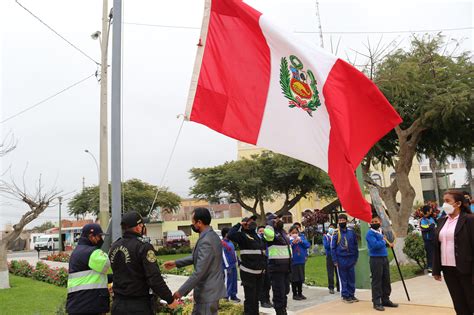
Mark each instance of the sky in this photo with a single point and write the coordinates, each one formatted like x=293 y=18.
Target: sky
x=157 y=67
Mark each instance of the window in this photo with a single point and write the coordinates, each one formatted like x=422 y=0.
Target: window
x=424 y=168
x=287 y=218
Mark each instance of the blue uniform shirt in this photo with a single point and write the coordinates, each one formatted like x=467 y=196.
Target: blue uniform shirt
x=344 y=247
x=376 y=244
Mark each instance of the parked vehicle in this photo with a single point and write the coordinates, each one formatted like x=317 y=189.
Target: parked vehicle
x=48 y=242
x=175 y=239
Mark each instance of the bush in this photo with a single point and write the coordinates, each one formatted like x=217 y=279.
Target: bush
x=415 y=249
x=173 y=251
x=20 y=268
x=42 y=272
x=61 y=257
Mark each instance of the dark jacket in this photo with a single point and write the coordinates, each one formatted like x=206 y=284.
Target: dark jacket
x=85 y=301
x=207 y=280
x=136 y=270
x=252 y=248
x=280 y=239
x=463 y=245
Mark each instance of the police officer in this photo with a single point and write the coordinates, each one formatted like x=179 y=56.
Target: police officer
x=254 y=261
x=136 y=271
x=279 y=261
x=87 y=291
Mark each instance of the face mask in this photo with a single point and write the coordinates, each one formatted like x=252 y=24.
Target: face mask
x=252 y=226
x=195 y=229
x=449 y=209
x=375 y=226
x=279 y=225
x=100 y=243
x=343 y=225
x=331 y=230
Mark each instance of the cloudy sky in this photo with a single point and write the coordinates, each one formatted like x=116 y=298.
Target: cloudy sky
x=157 y=65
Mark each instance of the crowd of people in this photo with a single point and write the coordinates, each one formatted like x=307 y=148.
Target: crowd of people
x=271 y=258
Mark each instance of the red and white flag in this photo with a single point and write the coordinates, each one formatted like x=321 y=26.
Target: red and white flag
x=260 y=85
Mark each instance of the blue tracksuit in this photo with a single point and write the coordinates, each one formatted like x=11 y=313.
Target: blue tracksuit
x=344 y=253
x=300 y=251
x=230 y=267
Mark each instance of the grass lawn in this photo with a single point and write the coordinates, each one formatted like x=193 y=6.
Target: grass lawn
x=316 y=274
x=31 y=297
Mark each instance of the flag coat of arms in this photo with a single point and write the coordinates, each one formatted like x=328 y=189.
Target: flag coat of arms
x=259 y=84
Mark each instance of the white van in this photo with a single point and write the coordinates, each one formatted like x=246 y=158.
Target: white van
x=47 y=241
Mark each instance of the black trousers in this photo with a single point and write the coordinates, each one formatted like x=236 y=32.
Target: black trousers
x=297 y=288
x=264 y=294
x=281 y=288
x=461 y=290
x=381 y=287
x=252 y=284
x=429 y=253
x=331 y=270
x=140 y=306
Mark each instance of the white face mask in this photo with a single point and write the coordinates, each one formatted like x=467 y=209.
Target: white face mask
x=449 y=209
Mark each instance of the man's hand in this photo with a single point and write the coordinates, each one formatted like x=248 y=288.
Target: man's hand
x=438 y=278
x=169 y=264
x=177 y=295
x=173 y=305
x=243 y=224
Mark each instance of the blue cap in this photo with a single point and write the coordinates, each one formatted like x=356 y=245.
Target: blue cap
x=92 y=228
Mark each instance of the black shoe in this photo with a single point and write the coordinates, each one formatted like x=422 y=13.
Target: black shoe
x=235 y=299
x=297 y=298
x=281 y=312
x=347 y=300
x=266 y=305
x=354 y=299
x=331 y=291
x=390 y=304
x=379 y=308
x=302 y=296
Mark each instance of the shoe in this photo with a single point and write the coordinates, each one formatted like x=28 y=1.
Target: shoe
x=266 y=305
x=390 y=304
x=302 y=296
x=379 y=308
x=235 y=299
x=331 y=291
x=354 y=299
x=347 y=300
x=297 y=298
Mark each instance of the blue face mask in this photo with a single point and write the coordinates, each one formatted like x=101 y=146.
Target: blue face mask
x=331 y=230
x=472 y=208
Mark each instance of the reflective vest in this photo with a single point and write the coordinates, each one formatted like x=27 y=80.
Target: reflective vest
x=87 y=281
x=279 y=250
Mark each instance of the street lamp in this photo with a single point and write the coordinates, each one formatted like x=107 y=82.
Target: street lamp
x=95 y=161
x=60 y=232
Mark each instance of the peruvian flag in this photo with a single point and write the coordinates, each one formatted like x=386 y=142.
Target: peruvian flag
x=258 y=84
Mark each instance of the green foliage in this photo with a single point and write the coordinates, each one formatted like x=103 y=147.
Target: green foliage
x=137 y=196
x=415 y=249
x=173 y=251
x=61 y=257
x=265 y=177
x=43 y=227
x=42 y=272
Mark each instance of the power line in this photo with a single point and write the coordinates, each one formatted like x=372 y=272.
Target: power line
x=47 y=99
x=327 y=32
x=59 y=35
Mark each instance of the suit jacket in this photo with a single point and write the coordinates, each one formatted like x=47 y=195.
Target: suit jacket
x=207 y=279
x=463 y=245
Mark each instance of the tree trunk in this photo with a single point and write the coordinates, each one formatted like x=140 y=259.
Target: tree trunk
x=433 y=166
x=4 y=278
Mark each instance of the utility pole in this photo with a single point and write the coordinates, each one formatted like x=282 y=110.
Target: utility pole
x=116 y=150
x=83 y=183
x=319 y=24
x=104 y=154
x=60 y=223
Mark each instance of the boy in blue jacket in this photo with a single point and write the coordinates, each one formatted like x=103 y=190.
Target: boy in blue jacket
x=427 y=225
x=230 y=266
x=327 y=240
x=299 y=247
x=379 y=268
x=344 y=254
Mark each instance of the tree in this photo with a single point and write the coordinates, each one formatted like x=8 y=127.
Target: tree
x=44 y=227
x=263 y=178
x=432 y=92
x=37 y=203
x=137 y=196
